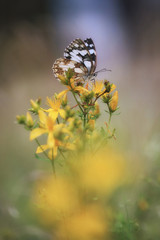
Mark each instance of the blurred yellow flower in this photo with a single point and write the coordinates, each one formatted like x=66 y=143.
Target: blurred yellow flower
x=114 y=101
x=85 y=224
x=55 y=198
x=91 y=124
x=101 y=172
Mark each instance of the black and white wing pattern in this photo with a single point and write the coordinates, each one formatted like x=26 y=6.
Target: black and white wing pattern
x=79 y=56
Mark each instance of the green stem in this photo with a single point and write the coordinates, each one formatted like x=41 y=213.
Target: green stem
x=61 y=153
x=78 y=102
x=110 y=116
x=84 y=120
x=57 y=120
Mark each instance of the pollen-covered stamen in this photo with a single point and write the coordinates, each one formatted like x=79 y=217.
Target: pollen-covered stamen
x=54 y=104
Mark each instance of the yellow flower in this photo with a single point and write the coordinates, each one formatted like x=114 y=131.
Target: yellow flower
x=114 y=101
x=97 y=87
x=55 y=109
x=56 y=137
x=46 y=125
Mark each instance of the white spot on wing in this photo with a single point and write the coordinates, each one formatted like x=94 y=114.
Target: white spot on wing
x=83 y=52
x=87 y=64
x=75 y=51
x=70 y=65
x=78 y=70
x=92 y=51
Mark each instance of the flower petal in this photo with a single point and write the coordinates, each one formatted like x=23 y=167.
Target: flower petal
x=42 y=148
x=53 y=114
x=62 y=113
x=62 y=93
x=50 y=140
x=37 y=132
x=42 y=117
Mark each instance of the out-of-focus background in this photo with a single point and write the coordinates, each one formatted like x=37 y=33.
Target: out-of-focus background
x=33 y=34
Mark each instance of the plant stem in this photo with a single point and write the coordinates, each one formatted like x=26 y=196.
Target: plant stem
x=84 y=120
x=57 y=120
x=61 y=153
x=110 y=115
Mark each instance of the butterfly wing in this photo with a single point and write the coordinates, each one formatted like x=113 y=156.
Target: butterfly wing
x=61 y=65
x=92 y=50
x=83 y=52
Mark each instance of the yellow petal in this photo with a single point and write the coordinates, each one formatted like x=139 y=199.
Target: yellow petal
x=62 y=113
x=81 y=89
x=55 y=151
x=42 y=117
x=42 y=148
x=37 y=132
x=50 y=140
x=53 y=114
x=62 y=93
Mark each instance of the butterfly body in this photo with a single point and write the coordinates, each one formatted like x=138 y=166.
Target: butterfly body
x=81 y=57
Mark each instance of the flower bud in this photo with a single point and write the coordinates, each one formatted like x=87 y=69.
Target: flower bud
x=64 y=100
x=63 y=79
x=35 y=105
x=113 y=102
x=29 y=120
x=107 y=86
x=21 y=119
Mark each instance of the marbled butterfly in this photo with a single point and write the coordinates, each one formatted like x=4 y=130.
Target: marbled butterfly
x=79 y=56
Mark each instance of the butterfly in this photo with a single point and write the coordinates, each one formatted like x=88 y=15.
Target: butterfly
x=81 y=57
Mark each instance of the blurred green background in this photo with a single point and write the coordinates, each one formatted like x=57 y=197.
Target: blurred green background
x=33 y=35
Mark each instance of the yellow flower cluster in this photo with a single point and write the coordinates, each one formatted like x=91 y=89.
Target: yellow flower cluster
x=66 y=127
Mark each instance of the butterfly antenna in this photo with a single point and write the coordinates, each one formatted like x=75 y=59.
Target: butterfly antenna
x=103 y=70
